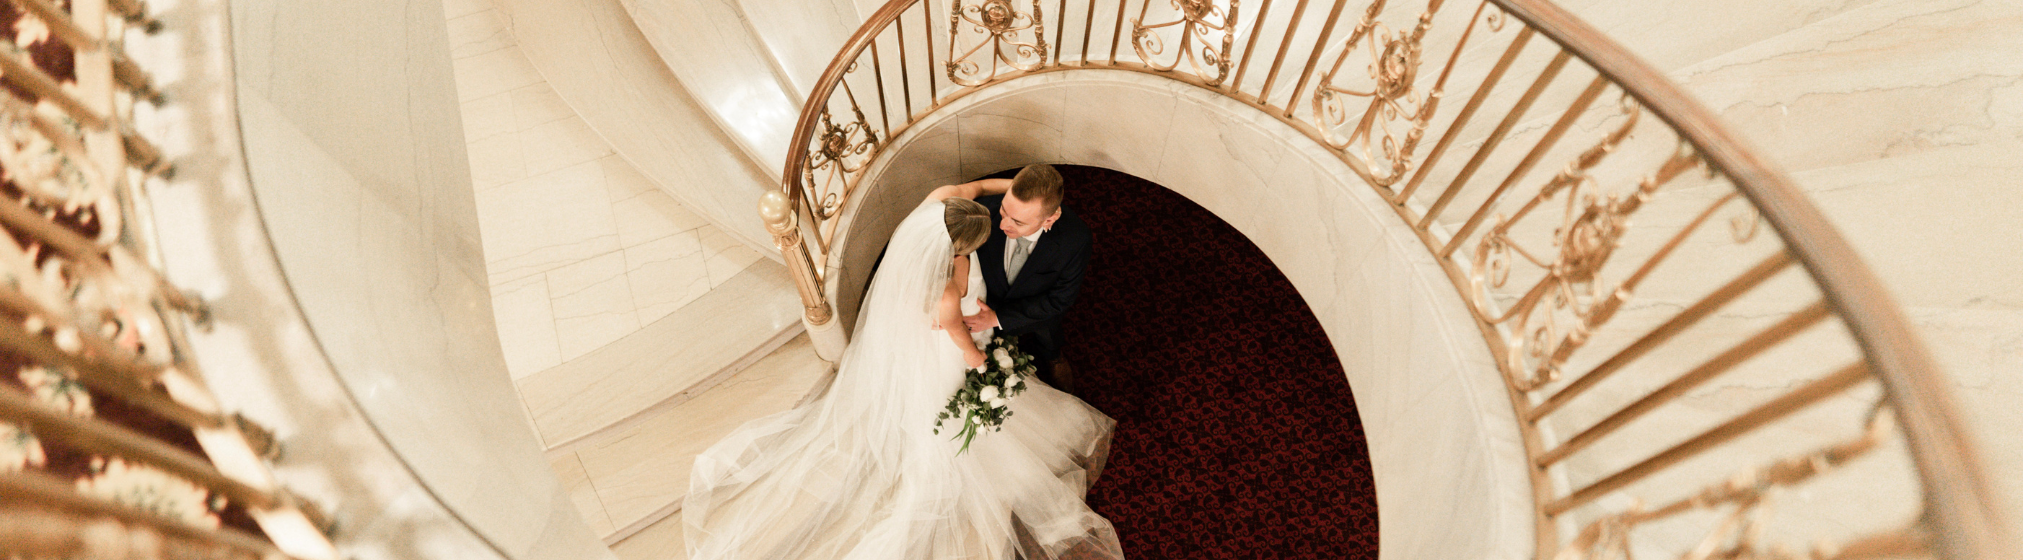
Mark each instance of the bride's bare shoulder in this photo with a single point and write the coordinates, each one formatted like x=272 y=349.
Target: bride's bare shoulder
x=970 y=190
x=958 y=280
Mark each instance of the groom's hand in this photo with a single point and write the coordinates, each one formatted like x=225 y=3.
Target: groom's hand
x=984 y=318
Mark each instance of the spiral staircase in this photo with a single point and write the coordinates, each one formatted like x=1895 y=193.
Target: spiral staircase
x=575 y=181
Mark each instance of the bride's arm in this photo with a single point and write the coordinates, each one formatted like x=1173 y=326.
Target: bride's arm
x=971 y=190
x=950 y=312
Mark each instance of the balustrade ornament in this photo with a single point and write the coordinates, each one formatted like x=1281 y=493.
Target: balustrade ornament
x=1749 y=496
x=1198 y=18
x=1591 y=228
x=1394 y=97
x=1003 y=30
x=838 y=157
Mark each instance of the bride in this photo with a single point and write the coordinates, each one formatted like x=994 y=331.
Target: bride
x=859 y=473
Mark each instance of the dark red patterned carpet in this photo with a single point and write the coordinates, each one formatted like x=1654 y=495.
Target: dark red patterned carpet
x=1236 y=433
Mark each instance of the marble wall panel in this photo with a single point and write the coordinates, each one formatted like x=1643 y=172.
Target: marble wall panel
x=599 y=62
x=1891 y=78
x=802 y=36
x=371 y=216
x=711 y=49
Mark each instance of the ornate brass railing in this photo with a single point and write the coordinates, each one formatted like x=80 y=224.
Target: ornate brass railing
x=1546 y=261
x=111 y=446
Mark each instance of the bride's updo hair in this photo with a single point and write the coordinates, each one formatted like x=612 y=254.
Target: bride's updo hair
x=968 y=224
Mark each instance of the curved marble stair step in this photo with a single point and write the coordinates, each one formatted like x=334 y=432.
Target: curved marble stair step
x=634 y=476
x=666 y=362
x=661 y=541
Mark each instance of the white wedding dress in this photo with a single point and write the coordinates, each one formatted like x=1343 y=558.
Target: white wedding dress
x=859 y=474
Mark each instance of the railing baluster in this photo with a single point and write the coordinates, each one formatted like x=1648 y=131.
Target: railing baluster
x=1236 y=85
x=109 y=439
x=1461 y=120
x=1742 y=284
x=60 y=24
x=905 y=82
x=1495 y=138
x=1721 y=363
x=1088 y=29
x=1538 y=151
x=878 y=74
x=1798 y=399
x=927 y=28
x=28 y=77
x=1320 y=46
x=1284 y=44
x=1060 y=30
x=98 y=376
x=49 y=492
x=1118 y=32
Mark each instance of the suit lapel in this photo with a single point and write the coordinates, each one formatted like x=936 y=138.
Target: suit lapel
x=1034 y=260
x=992 y=255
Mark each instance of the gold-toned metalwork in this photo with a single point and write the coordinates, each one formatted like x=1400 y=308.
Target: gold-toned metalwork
x=1197 y=18
x=777 y=211
x=838 y=158
x=1590 y=229
x=1376 y=121
x=1004 y=29
x=1394 y=67
x=1747 y=495
x=90 y=317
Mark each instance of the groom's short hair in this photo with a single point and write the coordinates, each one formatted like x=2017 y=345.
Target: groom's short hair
x=1039 y=183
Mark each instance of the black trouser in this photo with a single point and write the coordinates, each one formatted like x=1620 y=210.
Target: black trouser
x=1045 y=346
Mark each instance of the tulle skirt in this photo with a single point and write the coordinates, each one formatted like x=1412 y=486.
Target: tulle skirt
x=854 y=476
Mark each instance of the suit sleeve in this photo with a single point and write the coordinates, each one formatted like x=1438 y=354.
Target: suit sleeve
x=1016 y=314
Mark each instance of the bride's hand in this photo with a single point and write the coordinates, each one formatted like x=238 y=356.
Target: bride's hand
x=974 y=358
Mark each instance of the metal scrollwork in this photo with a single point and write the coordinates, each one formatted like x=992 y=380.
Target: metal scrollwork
x=838 y=155
x=1003 y=27
x=1395 y=120
x=1197 y=18
x=1591 y=228
x=1747 y=495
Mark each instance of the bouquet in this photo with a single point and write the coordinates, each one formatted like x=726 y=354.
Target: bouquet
x=982 y=402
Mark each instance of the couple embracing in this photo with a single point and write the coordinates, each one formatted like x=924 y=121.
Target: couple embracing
x=860 y=473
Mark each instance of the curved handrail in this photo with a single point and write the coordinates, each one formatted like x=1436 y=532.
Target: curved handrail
x=1948 y=465
x=1961 y=518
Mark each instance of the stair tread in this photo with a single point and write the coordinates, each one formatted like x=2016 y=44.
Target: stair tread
x=679 y=353
x=639 y=473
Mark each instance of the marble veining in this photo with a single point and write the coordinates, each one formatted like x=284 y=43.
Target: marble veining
x=581 y=247
x=683 y=350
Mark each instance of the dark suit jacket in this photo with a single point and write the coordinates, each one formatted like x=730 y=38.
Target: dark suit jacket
x=1052 y=275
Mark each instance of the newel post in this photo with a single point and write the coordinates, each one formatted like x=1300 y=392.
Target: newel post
x=778 y=213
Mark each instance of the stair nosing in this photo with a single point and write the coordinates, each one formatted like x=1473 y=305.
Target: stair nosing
x=820 y=387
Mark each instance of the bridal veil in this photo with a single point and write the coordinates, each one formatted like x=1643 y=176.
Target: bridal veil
x=860 y=474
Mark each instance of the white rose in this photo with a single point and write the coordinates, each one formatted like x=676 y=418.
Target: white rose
x=989 y=394
x=1004 y=359
x=1014 y=382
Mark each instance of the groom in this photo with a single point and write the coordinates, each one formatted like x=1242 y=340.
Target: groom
x=1032 y=264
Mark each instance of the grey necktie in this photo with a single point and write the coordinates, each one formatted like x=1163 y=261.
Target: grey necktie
x=1017 y=260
